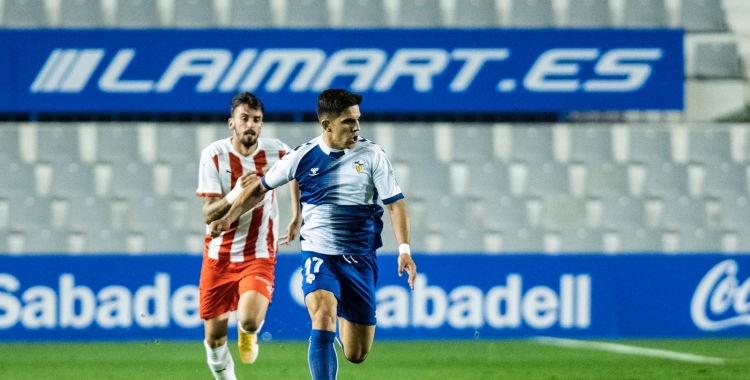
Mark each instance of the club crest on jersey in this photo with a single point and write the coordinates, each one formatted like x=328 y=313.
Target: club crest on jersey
x=359 y=165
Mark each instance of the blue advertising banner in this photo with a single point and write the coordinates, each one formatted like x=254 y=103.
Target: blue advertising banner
x=435 y=70
x=456 y=297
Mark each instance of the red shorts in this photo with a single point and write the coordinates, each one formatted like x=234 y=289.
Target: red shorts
x=222 y=283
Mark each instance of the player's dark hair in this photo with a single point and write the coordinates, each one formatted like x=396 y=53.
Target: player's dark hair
x=333 y=102
x=246 y=98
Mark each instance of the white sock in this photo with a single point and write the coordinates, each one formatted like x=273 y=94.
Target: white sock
x=239 y=325
x=220 y=362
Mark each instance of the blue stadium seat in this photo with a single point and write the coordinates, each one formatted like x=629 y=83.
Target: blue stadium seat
x=9 y=144
x=623 y=212
x=184 y=179
x=132 y=180
x=29 y=213
x=20 y=177
x=709 y=145
x=582 y=240
x=546 y=179
x=250 y=14
x=726 y=180
x=667 y=179
x=176 y=145
x=640 y=240
x=87 y=213
x=414 y=142
x=118 y=142
x=734 y=213
x=532 y=143
x=684 y=213
x=524 y=240
x=150 y=213
x=46 y=241
x=650 y=144
x=164 y=240
x=488 y=180
x=505 y=213
x=472 y=143
x=591 y=144
x=58 y=142
x=105 y=241
x=607 y=179
x=700 y=240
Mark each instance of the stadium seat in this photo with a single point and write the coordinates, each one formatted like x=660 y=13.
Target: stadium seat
x=137 y=14
x=505 y=213
x=164 y=240
x=650 y=144
x=24 y=14
x=461 y=240
x=666 y=179
x=72 y=179
x=702 y=16
x=426 y=180
x=476 y=14
x=472 y=143
x=546 y=179
x=414 y=142
x=81 y=14
x=532 y=14
x=184 y=180
x=700 y=240
x=640 y=240
x=581 y=240
x=250 y=14
x=562 y=213
x=606 y=179
x=734 y=213
x=29 y=213
x=726 y=180
x=363 y=14
x=195 y=14
x=46 y=241
x=524 y=240
x=532 y=143
x=644 y=14
x=57 y=142
x=307 y=14
x=589 y=14
x=118 y=143
x=150 y=213
x=709 y=145
x=105 y=241
x=717 y=60
x=9 y=144
x=86 y=213
x=623 y=212
x=131 y=180
x=176 y=145
x=295 y=134
x=488 y=180
x=683 y=213
x=449 y=214
x=591 y=144
x=20 y=179
x=420 y=14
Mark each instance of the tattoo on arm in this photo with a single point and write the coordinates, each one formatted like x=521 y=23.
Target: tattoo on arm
x=214 y=208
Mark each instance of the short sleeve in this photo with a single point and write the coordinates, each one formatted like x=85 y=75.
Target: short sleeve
x=282 y=171
x=385 y=180
x=209 y=183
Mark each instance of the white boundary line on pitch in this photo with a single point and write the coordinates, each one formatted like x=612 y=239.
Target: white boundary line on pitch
x=629 y=350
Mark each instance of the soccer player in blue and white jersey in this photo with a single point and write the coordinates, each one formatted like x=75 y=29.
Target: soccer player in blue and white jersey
x=341 y=176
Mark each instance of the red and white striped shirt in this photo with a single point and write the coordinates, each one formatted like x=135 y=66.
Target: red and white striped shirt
x=255 y=233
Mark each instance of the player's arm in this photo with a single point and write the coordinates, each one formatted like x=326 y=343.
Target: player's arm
x=245 y=201
x=400 y=224
x=294 y=225
x=215 y=207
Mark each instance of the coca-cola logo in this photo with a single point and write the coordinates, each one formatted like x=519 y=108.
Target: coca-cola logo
x=721 y=301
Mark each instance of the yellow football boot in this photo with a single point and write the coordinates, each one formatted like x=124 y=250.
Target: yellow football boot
x=248 y=344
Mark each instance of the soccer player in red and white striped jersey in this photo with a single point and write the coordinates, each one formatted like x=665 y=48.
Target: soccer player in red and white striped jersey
x=238 y=266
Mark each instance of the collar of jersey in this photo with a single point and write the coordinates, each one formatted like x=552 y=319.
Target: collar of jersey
x=328 y=150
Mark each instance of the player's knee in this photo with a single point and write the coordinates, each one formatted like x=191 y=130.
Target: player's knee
x=216 y=341
x=356 y=357
x=250 y=324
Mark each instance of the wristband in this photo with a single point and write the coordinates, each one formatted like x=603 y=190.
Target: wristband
x=404 y=249
x=233 y=195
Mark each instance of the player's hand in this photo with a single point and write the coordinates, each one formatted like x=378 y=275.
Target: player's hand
x=218 y=226
x=247 y=179
x=405 y=263
x=292 y=231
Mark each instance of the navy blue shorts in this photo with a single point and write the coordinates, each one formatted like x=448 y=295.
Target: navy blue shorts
x=351 y=279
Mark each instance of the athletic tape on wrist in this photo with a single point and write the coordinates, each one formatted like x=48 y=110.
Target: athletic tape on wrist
x=233 y=195
x=404 y=248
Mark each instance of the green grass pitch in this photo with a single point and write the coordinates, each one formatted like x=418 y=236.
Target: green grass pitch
x=423 y=360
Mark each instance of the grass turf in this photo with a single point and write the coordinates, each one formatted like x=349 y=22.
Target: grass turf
x=455 y=360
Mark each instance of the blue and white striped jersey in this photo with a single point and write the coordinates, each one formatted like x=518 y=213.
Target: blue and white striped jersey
x=339 y=194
